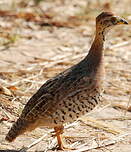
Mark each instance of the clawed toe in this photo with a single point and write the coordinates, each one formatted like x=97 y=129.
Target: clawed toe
x=66 y=148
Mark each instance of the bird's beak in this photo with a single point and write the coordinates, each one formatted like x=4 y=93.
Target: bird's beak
x=121 y=21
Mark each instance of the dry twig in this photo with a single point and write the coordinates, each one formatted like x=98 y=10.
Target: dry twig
x=100 y=125
x=102 y=144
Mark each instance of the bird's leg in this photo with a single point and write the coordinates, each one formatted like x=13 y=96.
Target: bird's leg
x=58 y=134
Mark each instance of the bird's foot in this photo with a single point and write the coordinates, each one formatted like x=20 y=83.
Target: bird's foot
x=65 y=148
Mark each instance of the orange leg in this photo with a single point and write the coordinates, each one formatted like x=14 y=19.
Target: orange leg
x=58 y=133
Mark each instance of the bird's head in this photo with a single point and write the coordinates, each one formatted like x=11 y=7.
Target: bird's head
x=106 y=20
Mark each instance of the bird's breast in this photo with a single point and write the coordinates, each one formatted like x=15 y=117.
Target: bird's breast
x=76 y=105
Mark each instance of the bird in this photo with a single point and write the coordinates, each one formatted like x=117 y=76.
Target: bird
x=71 y=93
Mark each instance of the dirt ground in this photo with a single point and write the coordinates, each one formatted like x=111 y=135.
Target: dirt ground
x=39 y=40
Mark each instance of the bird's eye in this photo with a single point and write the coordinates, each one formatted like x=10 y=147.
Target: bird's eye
x=113 y=20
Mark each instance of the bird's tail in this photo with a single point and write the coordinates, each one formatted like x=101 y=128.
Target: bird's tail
x=18 y=128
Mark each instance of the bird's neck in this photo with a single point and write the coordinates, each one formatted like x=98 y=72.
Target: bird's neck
x=96 y=50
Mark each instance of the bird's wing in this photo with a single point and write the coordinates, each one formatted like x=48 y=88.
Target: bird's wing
x=40 y=95
x=54 y=90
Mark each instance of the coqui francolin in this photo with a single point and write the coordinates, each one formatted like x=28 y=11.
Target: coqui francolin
x=70 y=94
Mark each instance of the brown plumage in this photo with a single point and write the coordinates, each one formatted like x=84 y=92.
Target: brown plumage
x=71 y=93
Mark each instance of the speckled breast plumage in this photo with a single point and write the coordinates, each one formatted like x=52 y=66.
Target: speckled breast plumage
x=75 y=106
